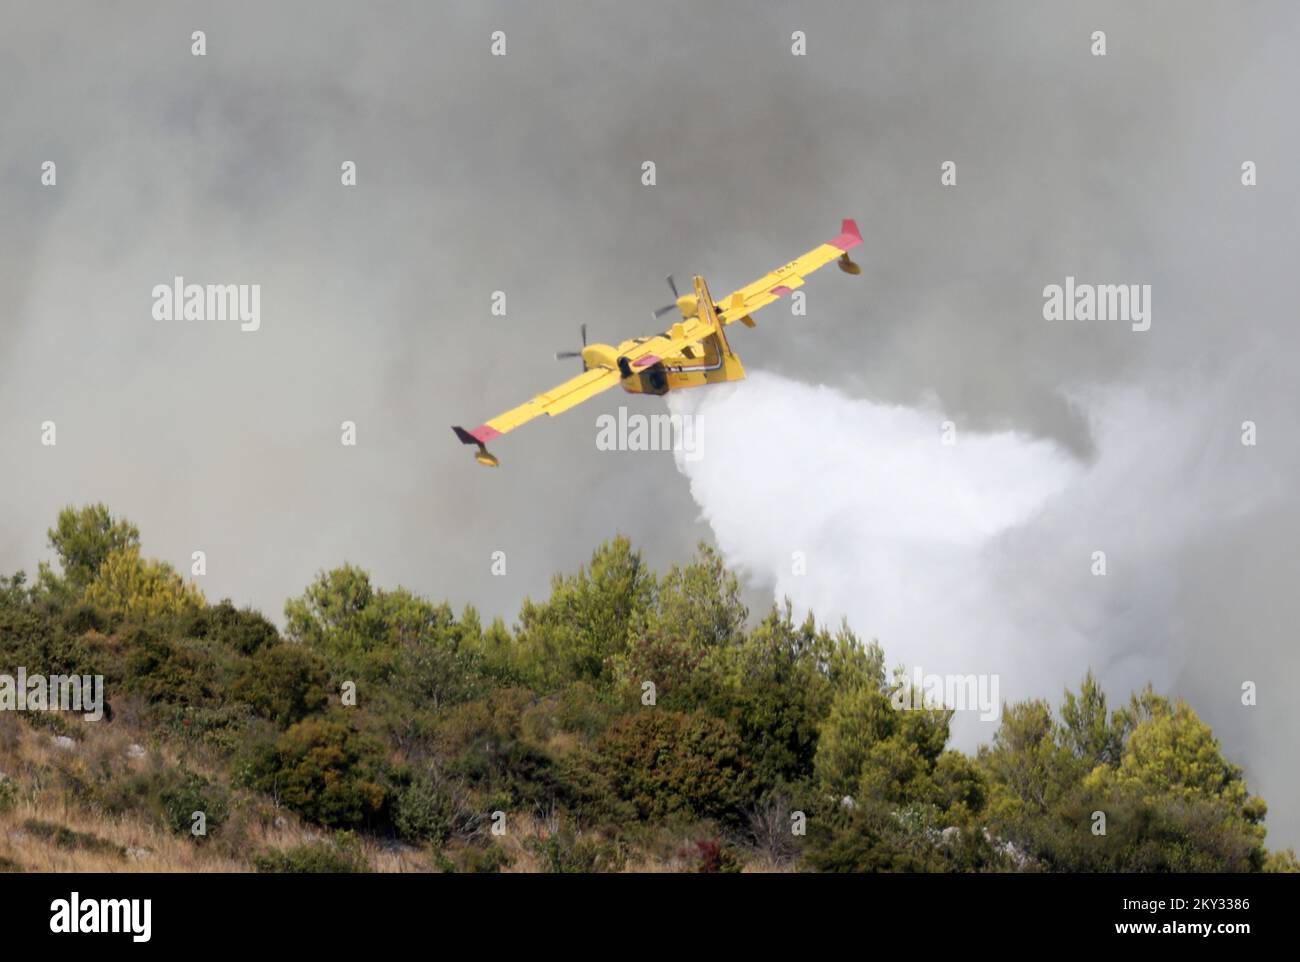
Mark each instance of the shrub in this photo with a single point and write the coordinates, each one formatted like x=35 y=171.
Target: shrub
x=324 y=770
x=340 y=854
x=485 y=746
x=245 y=631
x=83 y=618
x=710 y=855
x=167 y=671
x=183 y=793
x=283 y=682
x=423 y=813
x=772 y=822
x=565 y=851
x=666 y=763
x=475 y=859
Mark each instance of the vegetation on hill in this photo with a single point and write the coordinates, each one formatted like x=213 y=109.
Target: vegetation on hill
x=629 y=721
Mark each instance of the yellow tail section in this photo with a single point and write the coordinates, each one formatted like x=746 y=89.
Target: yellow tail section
x=719 y=363
x=709 y=315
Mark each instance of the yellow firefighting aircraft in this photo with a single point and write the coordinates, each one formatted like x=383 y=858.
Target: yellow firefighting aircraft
x=694 y=351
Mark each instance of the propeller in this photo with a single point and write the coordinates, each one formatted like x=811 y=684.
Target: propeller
x=672 y=285
x=561 y=355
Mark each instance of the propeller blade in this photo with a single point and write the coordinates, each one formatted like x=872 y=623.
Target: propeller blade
x=672 y=286
x=666 y=309
x=584 y=333
x=561 y=355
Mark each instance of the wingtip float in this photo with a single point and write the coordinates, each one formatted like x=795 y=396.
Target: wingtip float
x=691 y=353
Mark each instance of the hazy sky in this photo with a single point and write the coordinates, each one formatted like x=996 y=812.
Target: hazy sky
x=522 y=173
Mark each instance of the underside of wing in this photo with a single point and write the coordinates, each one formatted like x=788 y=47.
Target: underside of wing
x=780 y=282
x=560 y=398
x=647 y=361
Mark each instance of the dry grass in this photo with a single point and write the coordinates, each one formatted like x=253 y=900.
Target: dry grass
x=45 y=774
x=38 y=765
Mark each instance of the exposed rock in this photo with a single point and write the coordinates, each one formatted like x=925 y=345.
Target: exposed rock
x=135 y=751
x=1019 y=858
x=63 y=741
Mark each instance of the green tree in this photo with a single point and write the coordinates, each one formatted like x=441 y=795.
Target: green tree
x=1092 y=736
x=775 y=688
x=1026 y=763
x=1171 y=801
x=128 y=586
x=84 y=538
x=698 y=603
x=415 y=655
x=871 y=750
x=332 y=614
x=1172 y=753
x=585 y=624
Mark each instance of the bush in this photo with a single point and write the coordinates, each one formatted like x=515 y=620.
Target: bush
x=283 y=682
x=565 y=851
x=83 y=618
x=475 y=859
x=668 y=763
x=324 y=770
x=423 y=813
x=245 y=631
x=486 y=747
x=340 y=854
x=872 y=836
x=710 y=855
x=167 y=671
x=864 y=838
x=183 y=793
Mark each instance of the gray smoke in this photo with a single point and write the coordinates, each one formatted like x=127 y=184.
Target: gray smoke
x=522 y=174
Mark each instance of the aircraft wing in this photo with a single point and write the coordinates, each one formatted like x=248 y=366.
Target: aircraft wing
x=560 y=398
x=740 y=304
x=589 y=383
